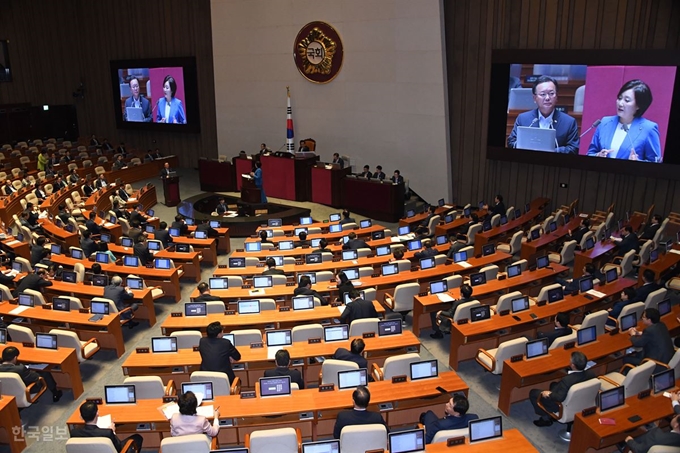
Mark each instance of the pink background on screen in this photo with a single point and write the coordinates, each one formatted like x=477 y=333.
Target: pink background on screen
x=603 y=84
x=156 y=75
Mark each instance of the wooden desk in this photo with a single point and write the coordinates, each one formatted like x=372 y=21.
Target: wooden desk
x=661 y=266
x=423 y=305
x=223 y=241
x=460 y=222
x=468 y=338
x=596 y=254
x=312 y=411
x=179 y=366
x=67 y=376
x=190 y=261
x=530 y=250
x=513 y=441
x=588 y=434
x=12 y=245
x=10 y=422
x=281 y=320
x=216 y=176
x=330 y=237
x=374 y=199
x=290 y=179
x=327 y=185
x=207 y=247
x=107 y=331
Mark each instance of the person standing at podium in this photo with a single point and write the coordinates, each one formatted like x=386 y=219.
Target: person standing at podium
x=166 y=170
x=257 y=176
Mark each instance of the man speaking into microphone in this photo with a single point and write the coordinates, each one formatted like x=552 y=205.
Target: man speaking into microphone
x=566 y=138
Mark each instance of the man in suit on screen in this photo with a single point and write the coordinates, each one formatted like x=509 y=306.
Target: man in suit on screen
x=137 y=101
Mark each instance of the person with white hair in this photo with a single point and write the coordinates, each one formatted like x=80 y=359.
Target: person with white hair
x=121 y=297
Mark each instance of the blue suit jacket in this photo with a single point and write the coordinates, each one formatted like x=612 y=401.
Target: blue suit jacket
x=176 y=111
x=643 y=137
x=564 y=125
x=146 y=108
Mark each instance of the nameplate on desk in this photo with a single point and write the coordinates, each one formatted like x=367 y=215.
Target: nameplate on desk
x=460 y=322
x=589 y=411
x=313 y=340
x=541 y=303
x=46 y=307
x=614 y=331
x=259 y=265
x=644 y=394
x=375 y=275
x=196 y=348
x=14 y=302
x=94 y=400
x=569 y=345
x=501 y=277
x=247 y=395
x=423 y=294
x=229 y=312
x=398 y=379
x=176 y=314
x=336 y=259
x=170 y=399
x=85 y=311
x=504 y=312
x=240 y=250
x=222 y=266
x=142 y=350
x=336 y=304
x=414 y=268
x=368 y=335
x=246 y=286
x=517 y=358
x=256 y=344
x=290 y=283
x=27 y=344
x=453 y=441
x=284 y=308
x=326 y=387
x=299 y=263
x=377 y=450
x=448 y=263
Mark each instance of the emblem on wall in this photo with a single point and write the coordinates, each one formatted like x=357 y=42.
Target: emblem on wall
x=318 y=52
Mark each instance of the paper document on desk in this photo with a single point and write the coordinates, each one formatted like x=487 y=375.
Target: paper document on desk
x=247 y=176
x=341 y=308
x=168 y=410
x=20 y=309
x=14 y=242
x=37 y=366
x=404 y=238
x=108 y=224
x=443 y=297
x=464 y=264
x=271 y=352
x=597 y=294
x=104 y=421
x=206 y=411
x=677 y=252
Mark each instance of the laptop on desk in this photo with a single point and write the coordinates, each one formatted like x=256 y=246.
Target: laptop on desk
x=536 y=139
x=134 y=114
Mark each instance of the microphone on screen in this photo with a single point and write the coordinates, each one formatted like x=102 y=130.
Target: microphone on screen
x=593 y=126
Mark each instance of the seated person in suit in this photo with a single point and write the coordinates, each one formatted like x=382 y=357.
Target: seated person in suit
x=59 y=183
x=355 y=353
x=263 y=237
x=221 y=208
x=10 y=365
x=497 y=208
x=455 y=417
x=187 y=422
x=204 y=291
x=323 y=246
x=8 y=188
x=87 y=243
x=162 y=234
x=648 y=287
x=366 y=173
x=101 y=182
x=441 y=320
x=37 y=250
x=458 y=244
x=136 y=100
x=91 y=223
x=39 y=192
x=136 y=215
x=121 y=297
x=217 y=353
x=397 y=255
x=119 y=163
x=422 y=228
x=141 y=250
x=651 y=229
x=210 y=231
x=148 y=157
x=305 y=289
x=427 y=251
x=283 y=363
x=358 y=309
x=271 y=268
x=359 y=415
x=655 y=341
x=64 y=213
x=180 y=225
x=379 y=174
x=157 y=154
x=558 y=390
x=135 y=231
x=344 y=285
x=561 y=328
x=303 y=147
x=657 y=436
x=627 y=242
x=120 y=213
x=88 y=188
x=122 y=193
x=337 y=160
x=577 y=234
x=354 y=243
x=346 y=218
x=627 y=297
x=89 y=412
x=397 y=178
x=570 y=285
x=302 y=240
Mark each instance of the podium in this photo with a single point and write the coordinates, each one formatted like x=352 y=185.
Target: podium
x=250 y=193
x=171 y=190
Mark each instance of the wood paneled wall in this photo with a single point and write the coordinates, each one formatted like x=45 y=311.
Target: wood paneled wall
x=56 y=44
x=473 y=28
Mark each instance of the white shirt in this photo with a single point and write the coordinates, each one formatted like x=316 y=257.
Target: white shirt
x=617 y=139
x=167 y=112
x=545 y=122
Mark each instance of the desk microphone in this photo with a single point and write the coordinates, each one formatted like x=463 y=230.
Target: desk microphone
x=594 y=125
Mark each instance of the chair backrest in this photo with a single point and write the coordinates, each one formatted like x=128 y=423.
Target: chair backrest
x=491 y=272
x=399 y=365
x=195 y=443
x=5 y=293
x=432 y=224
x=215 y=307
x=645 y=251
x=281 y=440
x=361 y=438
x=13 y=385
x=403 y=296
x=543 y=293
x=267 y=304
x=279 y=279
x=444 y=434
x=235 y=281
x=655 y=297
x=79 y=269
x=637 y=379
x=597 y=319
x=454 y=281
x=659 y=233
x=495 y=220
x=324 y=276
x=584 y=239
x=362 y=252
x=508 y=349
x=331 y=367
x=361 y=326
x=579 y=97
x=187 y=339
x=38 y=298
x=305 y=332
x=20 y=334
x=403 y=265
x=220 y=381
x=505 y=301
x=147 y=387
x=516 y=242
x=349 y=226
x=561 y=341
x=69 y=339
x=567 y=253
x=25 y=264
x=245 y=337
x=472 y=232
x=90 y=445
x=579 y=397
x=627 y=263
x=463 y=310
x=675 y=362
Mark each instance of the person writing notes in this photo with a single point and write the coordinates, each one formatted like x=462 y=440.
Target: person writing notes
x=627 y=135
x=170 y=109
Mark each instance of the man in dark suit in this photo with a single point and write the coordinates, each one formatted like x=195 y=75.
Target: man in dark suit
x=135 y=231
x=359 y=415
x=455 y=417
x=497 y=208
x=655 y=341
x=141 y=250
x=397 y=178
x=210 y=231
x=91 y=224
x=358 y=309
x=428 y=251
x=366 y=173
x=628 y=295
x=122 y=193
x=302 y=240
x=355 y=353
x=271 y=268
x=337 y=160
x=305 y=289
x=303 y=147
x=121 y=296
x=204 y=291
x=656 y=436
x=545 y=116
x=10 y=365
x=561 y=328
x=35 y=281
x=577 y=234
x=354 y=243
x=180 y=225
x=323 y=246
x=120 y=213
x=137 y=101
x=90 y=413
x=73 y=177
x=282 y=358
x=629 y=241
x=137 y=216
x=460 y=243
x=222 y=207
x=8 y=188
x=648 y=287
x=346 y=218
x=558 y=390
x=571 y=285
x=121 y=149
x=166 y=170
x=651 y=229
x=101 y=182
x=58 y=184
x=162 y=234
x=94 y=141
x=217 y=353
x=441 y=320
x=88 y=188
x=379 y=174
x=37 y=250
x=87 y=244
